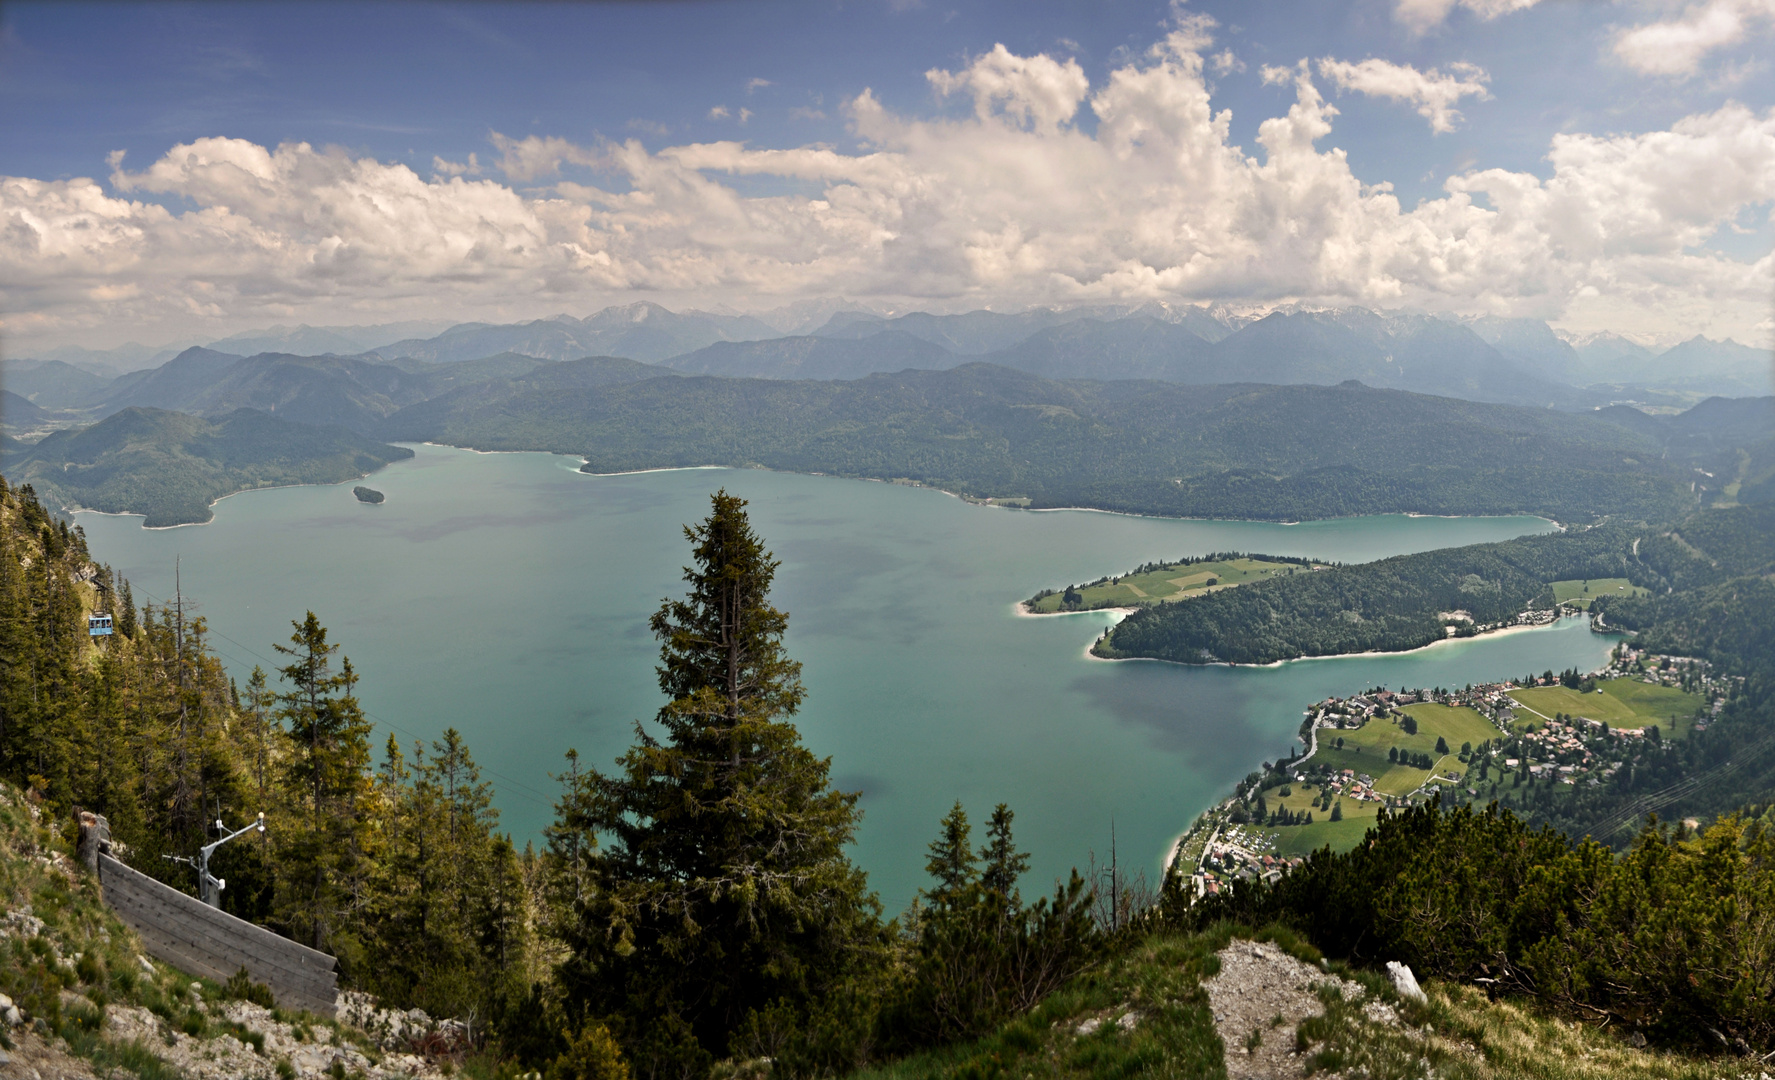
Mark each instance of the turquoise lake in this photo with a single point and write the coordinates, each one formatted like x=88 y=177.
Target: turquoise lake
x=507 y=595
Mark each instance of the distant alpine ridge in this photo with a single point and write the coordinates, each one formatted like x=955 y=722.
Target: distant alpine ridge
x=1148 y=408
x=1515 y=361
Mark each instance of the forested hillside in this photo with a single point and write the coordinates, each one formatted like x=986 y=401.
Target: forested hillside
x=395 y=869
x=1013 y=429
x=1398 y=603
x=349 y=391
x=170 y=466
x=1266 y=452
x=1387 y=606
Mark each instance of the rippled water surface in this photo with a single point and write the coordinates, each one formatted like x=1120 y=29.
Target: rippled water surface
x=507 y=595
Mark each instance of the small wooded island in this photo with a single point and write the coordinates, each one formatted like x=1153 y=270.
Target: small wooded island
x=367 y=495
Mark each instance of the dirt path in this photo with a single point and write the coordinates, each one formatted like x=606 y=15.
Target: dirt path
x=1259 y=997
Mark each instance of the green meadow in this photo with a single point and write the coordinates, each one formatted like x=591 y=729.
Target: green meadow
x=1163 y=584
x=1619 y=703
x=1301 y=840
x=1581 y=593
x=1365 y=749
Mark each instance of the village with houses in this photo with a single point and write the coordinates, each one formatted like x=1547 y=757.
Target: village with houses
x=1385 y=750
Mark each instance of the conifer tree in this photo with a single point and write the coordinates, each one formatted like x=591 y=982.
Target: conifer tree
x=1004 y=864
x=126 y=611
x=709 y=900
x=322 y=844
x=440 y=924
x=979 y=954
x=951 y=860
x=260 y=734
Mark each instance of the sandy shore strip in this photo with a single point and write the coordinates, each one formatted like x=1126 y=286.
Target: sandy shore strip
x=644 y=472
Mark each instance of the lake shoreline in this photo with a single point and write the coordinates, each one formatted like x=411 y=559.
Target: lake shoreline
x=555 y=579
x=211 y=505
x=1502 y=631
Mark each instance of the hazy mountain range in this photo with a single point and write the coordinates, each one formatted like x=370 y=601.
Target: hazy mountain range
x=1521 y=361
x=1486 y=359
x=1094 y=405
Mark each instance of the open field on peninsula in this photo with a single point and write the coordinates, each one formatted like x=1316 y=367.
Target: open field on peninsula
x=1300 y=840
x=1581 y=593
x=1159 y=583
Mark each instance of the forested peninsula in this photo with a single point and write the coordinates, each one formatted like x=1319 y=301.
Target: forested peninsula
x=1410 y=601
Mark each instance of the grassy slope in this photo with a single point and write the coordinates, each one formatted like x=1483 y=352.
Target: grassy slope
x=1292 y=840
x=1622 y=703
x=1169 y=583
x=1457 y=725
x=1457 y=1034
x=1159 y=978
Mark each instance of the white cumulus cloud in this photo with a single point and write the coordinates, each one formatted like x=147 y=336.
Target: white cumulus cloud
x=1421 y=15
x=536 y=156
x=1037 y=91
x=1433 y=93
x=1225 y=62
x=1012 y=202
x=471 y=167
x=1678 y=46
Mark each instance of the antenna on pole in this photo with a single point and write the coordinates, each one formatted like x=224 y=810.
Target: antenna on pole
x=209 y=887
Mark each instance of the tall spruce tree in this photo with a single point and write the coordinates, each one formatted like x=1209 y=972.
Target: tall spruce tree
x=1003 y=863
x=321 y=846
x=710 y=906
x=951 y=863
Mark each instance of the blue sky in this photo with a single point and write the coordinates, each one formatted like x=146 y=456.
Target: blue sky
x=420 y=85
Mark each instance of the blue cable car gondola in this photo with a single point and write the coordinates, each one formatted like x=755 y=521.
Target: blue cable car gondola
x=98 y=625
